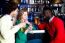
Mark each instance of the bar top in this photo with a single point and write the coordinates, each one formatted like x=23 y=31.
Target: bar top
x=37 y=31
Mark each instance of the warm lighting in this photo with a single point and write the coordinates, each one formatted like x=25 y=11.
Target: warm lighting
x=37 y=20
x=16 y=1
x=56 y=1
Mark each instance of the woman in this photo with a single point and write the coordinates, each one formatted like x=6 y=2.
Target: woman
x=21 y=36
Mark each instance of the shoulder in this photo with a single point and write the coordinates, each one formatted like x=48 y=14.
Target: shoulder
x=6 y=17
x=58 y=20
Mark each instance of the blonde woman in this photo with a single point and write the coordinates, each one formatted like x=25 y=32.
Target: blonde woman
x=21 y=36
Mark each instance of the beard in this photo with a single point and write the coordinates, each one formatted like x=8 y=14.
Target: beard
x=46 y=19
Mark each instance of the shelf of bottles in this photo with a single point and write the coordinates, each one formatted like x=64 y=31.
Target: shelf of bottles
x=57 y=6
x=37 y=6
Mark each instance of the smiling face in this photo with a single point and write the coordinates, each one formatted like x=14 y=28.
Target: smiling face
x=25 y=15
x=47 y=13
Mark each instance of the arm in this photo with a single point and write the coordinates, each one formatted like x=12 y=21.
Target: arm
x=5 y=26
x=41 y=26
x=17 y=27
x=60 y=32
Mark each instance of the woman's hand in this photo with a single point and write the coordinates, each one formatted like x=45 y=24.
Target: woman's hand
x=29 y=29
x=22 y=25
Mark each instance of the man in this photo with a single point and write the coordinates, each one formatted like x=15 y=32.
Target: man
x=54 y=25
x=7 y=24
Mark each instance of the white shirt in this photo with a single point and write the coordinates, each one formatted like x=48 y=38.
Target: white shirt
x=51 y=19
x=8 y=30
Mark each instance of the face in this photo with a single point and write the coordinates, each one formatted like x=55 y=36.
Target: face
x=47 y=16
x=47 y=13
x=25 y=15
x=15 y=12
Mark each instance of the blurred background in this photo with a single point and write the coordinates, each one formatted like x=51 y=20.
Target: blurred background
x=35 y=8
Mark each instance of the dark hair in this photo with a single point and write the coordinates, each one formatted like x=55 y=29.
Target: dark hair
x=47 y=8
x=11 y=6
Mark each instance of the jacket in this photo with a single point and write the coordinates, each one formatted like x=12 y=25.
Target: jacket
x=7 y=29
x=55 y=29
